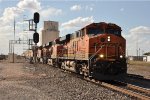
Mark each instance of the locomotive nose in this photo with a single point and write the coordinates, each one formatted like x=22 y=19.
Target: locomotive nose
x=110 y=45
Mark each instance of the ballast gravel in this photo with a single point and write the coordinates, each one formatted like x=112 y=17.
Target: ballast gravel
x=59 y=85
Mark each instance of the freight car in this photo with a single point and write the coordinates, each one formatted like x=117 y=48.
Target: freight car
x=97 y=50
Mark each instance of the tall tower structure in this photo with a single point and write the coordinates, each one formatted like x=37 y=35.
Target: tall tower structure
x=50 y=31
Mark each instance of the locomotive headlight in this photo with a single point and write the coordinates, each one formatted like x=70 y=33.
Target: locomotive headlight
x=108 y=38
x=121 y=56
x=101 y=56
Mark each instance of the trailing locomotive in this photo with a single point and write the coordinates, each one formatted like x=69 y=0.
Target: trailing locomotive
x=97 y=50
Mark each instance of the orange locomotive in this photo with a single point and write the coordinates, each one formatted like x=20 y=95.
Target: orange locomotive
x=97 y=50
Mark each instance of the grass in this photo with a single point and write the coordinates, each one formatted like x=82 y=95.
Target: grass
x=142 y=63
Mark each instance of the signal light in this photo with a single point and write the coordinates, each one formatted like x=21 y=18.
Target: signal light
x=36 y=37
x=36 y=17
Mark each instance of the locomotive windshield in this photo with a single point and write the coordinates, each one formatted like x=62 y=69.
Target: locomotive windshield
x=113 y=31
x=95 y=31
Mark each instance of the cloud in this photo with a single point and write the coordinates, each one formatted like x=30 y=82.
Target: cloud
x=89 y=8
x=140 y=30
x=6 y=34
x=29 y=4
x=78 y=22
x=84 y=7
x=136 y=37
x=75 y=24
x=50 y=12
x=4 y=30
x=9 y=14
x=122 y=9
x=76 y=8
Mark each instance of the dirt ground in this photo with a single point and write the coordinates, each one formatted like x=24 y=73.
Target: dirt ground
x=139 y=70
x=12 y=79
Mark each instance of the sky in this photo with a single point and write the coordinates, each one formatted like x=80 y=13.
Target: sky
x=132 y=16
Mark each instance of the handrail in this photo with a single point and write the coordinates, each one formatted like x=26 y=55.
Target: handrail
x=96 y=52
x=94 y=55
x=89 y=62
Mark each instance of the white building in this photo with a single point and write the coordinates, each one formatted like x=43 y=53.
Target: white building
x=136 y=58
x=146 y=58
x=50 y=32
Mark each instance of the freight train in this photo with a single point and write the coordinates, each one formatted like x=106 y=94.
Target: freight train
x=97 y=50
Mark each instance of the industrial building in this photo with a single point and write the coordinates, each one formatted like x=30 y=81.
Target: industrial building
x=135 y=58
x=50 y=31
x=145 y=58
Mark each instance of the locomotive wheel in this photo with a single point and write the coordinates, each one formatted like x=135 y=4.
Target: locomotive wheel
x=80 y=71
x=58 y=65
x=63 y=65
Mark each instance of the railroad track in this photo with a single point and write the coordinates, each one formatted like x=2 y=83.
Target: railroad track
x=142 y=90
x=129 y=90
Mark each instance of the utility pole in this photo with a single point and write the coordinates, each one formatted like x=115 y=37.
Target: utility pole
x=143 y=52
x=127 y=53
x=137 y=50
x=14 y=40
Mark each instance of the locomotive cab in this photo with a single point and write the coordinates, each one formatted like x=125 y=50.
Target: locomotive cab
x=106 y=51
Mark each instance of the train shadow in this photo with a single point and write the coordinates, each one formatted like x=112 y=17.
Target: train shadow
x=137 y=80
x=140 y=77
x=116 y=83
x=133 y=79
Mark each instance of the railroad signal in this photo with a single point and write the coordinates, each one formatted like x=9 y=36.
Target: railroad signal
x=36 y=37
x=36 y=17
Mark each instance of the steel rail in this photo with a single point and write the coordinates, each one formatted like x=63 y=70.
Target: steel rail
x=119 y=89
x=134 y=87
x=144 y=90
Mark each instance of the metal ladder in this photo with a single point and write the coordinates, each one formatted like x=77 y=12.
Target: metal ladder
x=89 y=60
